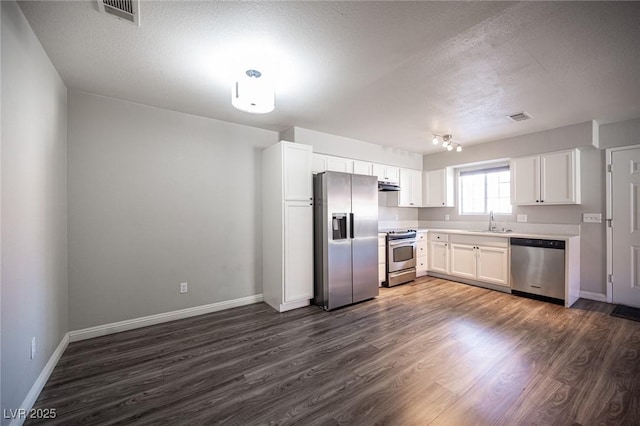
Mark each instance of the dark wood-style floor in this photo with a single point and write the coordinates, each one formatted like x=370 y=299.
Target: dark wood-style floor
x=429 y=352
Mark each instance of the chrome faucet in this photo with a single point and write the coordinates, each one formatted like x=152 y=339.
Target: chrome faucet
x=492 y=222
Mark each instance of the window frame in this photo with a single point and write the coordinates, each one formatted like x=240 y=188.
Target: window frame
x=481 y=169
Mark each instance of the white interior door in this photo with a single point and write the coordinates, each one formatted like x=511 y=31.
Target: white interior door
x=625 y=237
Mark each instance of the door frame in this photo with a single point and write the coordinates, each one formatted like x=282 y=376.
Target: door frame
x=609 y=215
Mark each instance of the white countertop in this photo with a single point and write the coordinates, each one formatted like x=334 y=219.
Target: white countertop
x=509 y=234
x=502 y=234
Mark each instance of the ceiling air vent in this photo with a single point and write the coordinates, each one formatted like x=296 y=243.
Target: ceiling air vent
x=520 y=116
x=128 y=10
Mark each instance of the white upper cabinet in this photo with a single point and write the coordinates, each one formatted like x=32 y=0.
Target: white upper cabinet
x=386 y=173
x=297 y=160
x=362 y=168
x=525 y=180
x=437 y=188
x=410 y=194
x=552 y=178
x=323 y=163
x=560 y=177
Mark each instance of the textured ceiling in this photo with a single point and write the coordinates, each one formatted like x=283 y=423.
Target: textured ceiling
x=390 y=73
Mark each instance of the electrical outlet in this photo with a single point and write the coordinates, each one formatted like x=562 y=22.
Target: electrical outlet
x=33 y=348
x=522 y=218
x=592 y=217
x=184 y=287
x=447 y=217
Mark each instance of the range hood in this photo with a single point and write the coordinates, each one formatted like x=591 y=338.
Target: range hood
x=388 y=186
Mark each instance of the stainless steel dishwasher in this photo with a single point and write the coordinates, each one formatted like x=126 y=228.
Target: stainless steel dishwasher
x=537 y=269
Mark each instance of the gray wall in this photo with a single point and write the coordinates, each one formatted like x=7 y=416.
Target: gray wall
x=157 y=198
x=584 y=136
x=623 y=133
x=34 y=207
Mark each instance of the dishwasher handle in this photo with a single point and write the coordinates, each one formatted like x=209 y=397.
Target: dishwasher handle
x=531 y=242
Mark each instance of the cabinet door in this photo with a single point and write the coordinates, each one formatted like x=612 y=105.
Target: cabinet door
x=297 y=160
x=421 y=266
x=298 y=251
x=338 y=164
x=558 y=178
x=392 y=174
x=525 y=180
x=362 y=168
x=319 y=163
x=463 y=261
x=404 y=195
x=493 y=265
x=439 y=257
x=386 y=173
x=416 y=188
x=437 y=188
x=410 y=194
x=378 y=170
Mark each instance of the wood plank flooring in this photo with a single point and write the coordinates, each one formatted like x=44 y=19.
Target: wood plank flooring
x=429 y=352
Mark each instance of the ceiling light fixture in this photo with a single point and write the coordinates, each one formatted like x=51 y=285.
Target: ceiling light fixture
x=446 y=142
x=253 y=92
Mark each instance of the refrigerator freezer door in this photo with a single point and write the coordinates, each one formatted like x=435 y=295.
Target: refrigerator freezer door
x=338 y=273
x=364 y=246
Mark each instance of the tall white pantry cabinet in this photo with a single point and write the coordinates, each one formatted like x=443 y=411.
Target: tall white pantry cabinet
x=287 y=226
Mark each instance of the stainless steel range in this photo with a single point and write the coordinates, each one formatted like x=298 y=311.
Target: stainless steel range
x=401 y=257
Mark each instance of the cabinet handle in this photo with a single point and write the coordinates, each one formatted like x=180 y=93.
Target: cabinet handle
x=443 y=204
x=537 y=201
x=542 y=201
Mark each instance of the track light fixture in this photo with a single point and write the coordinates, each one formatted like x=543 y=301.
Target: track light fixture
x=446 y=142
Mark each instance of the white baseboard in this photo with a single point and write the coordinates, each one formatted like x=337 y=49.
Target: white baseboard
x=116 y=327
x=35 y=390
x=593 y=296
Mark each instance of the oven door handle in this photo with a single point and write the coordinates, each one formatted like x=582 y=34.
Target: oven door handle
x=404 y=242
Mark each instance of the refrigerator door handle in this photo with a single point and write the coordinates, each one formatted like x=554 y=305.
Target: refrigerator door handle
x=351 y=232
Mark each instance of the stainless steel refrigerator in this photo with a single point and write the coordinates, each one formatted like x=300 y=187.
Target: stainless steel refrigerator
x=345 y=238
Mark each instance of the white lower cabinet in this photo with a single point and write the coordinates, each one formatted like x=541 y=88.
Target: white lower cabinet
x=382 y=258
x=463 y=261
x=438 y=253
x=298 y=243
x=421 y=254
x=487 y=260
x=493 y=265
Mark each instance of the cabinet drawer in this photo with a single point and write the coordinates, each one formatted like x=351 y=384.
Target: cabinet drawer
x=382 y=272
x=421 y=263
x=381 y=255
x=421 y=249
x=437 y=236
x=421 y=236
x=381 y=240
x=480 y=240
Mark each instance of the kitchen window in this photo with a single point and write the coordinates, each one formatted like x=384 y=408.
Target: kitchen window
x=485 y=190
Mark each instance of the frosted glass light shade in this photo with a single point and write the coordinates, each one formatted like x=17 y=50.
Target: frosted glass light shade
x=253 y=94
